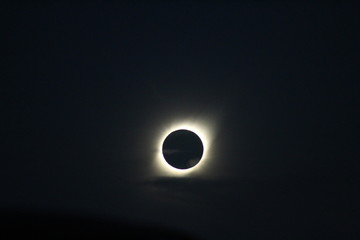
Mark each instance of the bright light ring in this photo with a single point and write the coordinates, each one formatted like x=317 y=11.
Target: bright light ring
x=200 y=130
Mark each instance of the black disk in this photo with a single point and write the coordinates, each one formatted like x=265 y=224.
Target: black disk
x=182 y=149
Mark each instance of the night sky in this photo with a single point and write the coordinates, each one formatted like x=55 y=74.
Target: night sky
x=88 y=89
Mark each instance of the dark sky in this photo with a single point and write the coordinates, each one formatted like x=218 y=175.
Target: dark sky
x=88 y=87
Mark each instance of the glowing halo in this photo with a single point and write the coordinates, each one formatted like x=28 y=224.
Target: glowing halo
x=202 y=130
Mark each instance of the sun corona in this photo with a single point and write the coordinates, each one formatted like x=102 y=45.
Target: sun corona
x=200 y=129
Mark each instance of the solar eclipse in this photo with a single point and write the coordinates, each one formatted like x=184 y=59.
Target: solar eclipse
x=202 y=128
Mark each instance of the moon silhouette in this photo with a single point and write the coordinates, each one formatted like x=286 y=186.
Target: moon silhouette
x=182 y=149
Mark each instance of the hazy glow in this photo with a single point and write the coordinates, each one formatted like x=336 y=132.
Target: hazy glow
x=202 y=129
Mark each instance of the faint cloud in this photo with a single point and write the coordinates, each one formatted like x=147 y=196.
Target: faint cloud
x=171 y=151
x=193 y=162
x=188 y=191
